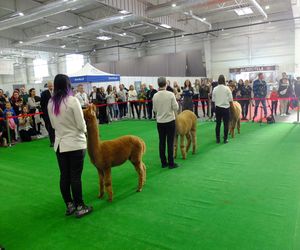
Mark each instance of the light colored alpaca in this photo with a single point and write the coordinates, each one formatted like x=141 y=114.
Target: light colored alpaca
x=235 y=118
x=107 y=154
x=186 y=126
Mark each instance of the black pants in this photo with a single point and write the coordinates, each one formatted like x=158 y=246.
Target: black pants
x=245 y=108
x=142 y=104
x=274 y=107
x=122 y=108
x=222 y=114
x=166 y=132
x=203 y=107
x=103 y=118
x=150 y=109
x=213 y=109
x=26 y=134
x=135 y=105
x=49 y=128
x=71 y=166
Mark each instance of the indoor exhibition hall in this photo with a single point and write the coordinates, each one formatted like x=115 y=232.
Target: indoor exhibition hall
x=149 y=124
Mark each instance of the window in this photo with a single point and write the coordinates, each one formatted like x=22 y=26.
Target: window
x=40 y=68
x=74 y=63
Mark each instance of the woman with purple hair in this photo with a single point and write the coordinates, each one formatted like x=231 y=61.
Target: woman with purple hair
x=66 y=117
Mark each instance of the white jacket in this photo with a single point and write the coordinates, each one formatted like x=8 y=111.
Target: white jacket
x=69 y=125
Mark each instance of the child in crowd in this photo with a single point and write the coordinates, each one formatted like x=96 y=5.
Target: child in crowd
x=274 y=99
x=25 y=125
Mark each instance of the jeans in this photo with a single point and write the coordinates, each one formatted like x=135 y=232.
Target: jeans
x=222 y=114
x=257 y=102
x=166 y=132
x=71 y=166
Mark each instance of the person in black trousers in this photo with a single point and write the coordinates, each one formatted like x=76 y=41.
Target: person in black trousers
x=222 y=96
x=45 y=97
x=66 y=117
x=150 y=93
x=165 y=106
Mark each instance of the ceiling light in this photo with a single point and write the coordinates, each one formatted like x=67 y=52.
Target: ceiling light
x=104 y=38
x=267 y=7
x=63 y=46
x=156 y=28
x=166 y=26
x=243 y=11
x=124 y=12
x=204 y=19
x=21 y=14
x=80 y=27
x=47 y=35
x=63 y=27
x=20 y=42
x=121 y=17
x=123 y=34
x=174 y=5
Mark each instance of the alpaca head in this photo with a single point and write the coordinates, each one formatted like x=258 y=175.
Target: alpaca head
x=89 y=113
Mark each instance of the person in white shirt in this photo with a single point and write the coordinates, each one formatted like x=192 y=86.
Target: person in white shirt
x=165 y=106
x=132 y=98
x=82 y=96
x=222 y=97
x=66 y=117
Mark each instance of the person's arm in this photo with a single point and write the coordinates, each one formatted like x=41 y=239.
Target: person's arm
x=154 y=105
x=174 y=104
x=213 y=96
x=50 y=115
x=78 y=115
x=230 y=98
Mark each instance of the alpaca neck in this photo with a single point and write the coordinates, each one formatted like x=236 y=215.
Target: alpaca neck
x=93 y=138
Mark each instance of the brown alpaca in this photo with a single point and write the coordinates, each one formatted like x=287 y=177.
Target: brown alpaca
x=235 y=118
x=186 y=126
x=107 y=154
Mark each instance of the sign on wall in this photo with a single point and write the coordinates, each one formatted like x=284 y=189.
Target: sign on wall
x=6 y=67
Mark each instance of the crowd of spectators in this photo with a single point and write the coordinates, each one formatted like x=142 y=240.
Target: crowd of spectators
x=118 y=102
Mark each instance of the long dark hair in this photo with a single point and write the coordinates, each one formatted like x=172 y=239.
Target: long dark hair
x=221 y=80
x=62 y=89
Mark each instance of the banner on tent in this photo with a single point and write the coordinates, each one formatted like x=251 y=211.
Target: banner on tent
x=105 y=78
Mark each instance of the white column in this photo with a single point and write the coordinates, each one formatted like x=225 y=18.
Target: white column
x=207 y=52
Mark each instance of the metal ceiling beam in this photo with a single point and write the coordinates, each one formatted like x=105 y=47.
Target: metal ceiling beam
x=139 y=9
x=198 y=18
x=259 y=8
x=42 y=11
x=91 y=26
x=181 y=6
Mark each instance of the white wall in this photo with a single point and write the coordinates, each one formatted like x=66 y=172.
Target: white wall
x=264 y=45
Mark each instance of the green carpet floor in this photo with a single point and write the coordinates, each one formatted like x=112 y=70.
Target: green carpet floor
x=243 y=195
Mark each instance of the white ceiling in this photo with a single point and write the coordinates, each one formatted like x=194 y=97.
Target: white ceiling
x=40 y=33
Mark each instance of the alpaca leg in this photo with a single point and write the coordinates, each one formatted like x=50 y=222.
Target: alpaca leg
x=145 y=173
x=188 y=145
x=239 y=125
x=193 y=133
x=232 y=131
x=183 y=153
x=140 y=170
x=101 y=183
x=107 y=183
x=175 y=145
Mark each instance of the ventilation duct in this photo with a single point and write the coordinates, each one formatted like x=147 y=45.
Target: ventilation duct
x=40 y=12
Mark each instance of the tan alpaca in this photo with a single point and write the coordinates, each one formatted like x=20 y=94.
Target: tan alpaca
x=186 y=126
x=235 y=118
x=107 y=154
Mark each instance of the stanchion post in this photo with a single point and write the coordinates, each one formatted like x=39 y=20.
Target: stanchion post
x=298 y=111
x=250 y=105
x=8 y=132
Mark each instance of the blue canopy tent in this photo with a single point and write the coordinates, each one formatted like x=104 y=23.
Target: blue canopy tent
x=89 y=74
